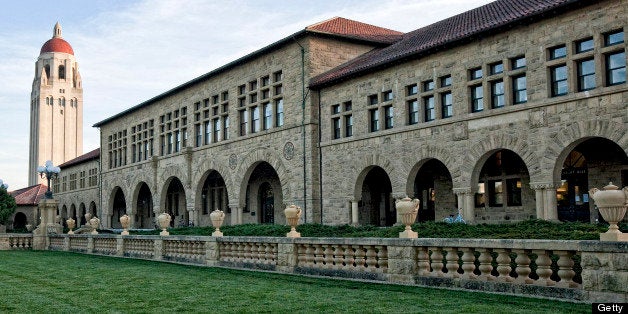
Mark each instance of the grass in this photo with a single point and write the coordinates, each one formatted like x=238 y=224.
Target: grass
x=530 y=229
x=62 y=282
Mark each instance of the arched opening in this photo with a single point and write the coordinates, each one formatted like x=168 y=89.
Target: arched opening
x=264 y=199
x=47 y=71
x=433 y=187
x=175 y=204
x=62 y=72
x=73 y=212
x=377 y=207
x=92 y=209
x=144 y=217
x=213 y=196
x=504 y=192
x=118 y=209
x=592 y=163
x=19 y=221
x=82 y=212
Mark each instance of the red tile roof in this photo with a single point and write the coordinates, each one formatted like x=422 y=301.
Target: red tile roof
x=56 y=45
x=30 y=195
x=355 y=30
x=95 y=154
x=449 y=32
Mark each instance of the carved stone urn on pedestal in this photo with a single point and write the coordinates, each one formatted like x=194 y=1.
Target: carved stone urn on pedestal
x=407 y=209
x=293 y=214
x=612 y=203
x=71 y=224
x=125 y=221
x=94 y=222
x=164 y=222
x=217 y=217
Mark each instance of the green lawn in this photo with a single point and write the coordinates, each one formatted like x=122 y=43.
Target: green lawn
x=60 y=282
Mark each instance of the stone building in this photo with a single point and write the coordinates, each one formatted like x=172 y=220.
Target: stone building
x=56 y=115
x=506 y=112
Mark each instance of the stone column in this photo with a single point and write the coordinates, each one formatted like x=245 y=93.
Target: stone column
x=48 y=210
x=545 y=200
x=354 y=213
x=465 y=203
x=236 y=214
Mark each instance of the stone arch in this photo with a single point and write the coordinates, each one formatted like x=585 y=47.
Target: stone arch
x=114 y=210
x=366 y=164
x=432 y=153
x=480 y=152
x=198 y=204
x=251 y=161
x=19 y=221
x=205 y=168
x=431 y=181
x=142 y=213
x=82 y=211
x=181 y=210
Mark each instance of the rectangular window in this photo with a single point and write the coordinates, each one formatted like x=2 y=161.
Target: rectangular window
x=252 y=85
x=170 y=142
x=177 y=143
x=348 y=125
x=255 y=122
x=243 y=122
x=477 y=98
x=277 y=76
x=428 y=108
x=513 y=192
x=413 y=111
x=268 y=116
x=519 y=89
x=208 y=133
x=216 y=130
x=586 y=75
x=495 y=192
x=497 y=94
x=518 y=63
x=335 y=109
x=265 y=80
x=278 y=90
x=241 y=89
x=411 y=90
x=279 y=112
x=584 y=45
x=497 y=68
x=374 y=118
x=447 y=105
x=557 y=52
x=336 y=126
x=372 y=100
x=616 y=68
x=428 y=85
x=225 y=128
x=445 y=81
x=559 y=80
x=388 y=117
x=475 y=73
x=613 y=38
x=387 y=96
x=347 y=106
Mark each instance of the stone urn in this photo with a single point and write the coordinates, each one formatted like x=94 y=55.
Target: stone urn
x=612 y=203
x=293 y=214
x=29 y=228
x=125 y=221
x=88 y=216
x=407 y=209
x=71 y=224
x=164 y=222
x=94 y=223
x=217 y=217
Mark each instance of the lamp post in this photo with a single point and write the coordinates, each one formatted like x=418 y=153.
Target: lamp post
x=49 y=172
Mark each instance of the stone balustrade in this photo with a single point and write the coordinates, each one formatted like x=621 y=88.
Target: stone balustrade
x=587 y=271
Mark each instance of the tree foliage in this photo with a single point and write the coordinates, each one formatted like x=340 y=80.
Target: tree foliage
x=7 y=206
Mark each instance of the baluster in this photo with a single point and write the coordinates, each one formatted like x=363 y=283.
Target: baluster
x=255 y=252
x=423 y=258
x=468 y=263
x=565 y=270
x=309 y=254
x=503 y=265
x=338 y=257
x=452 y=262
x=523 y=269
x=371 y=260
x=318 y=255
x=349 y=260
x=543 y=270
x=269 y=254
x=360 y=261
x=437 y=261
x=382 y=258
x=485 y=265
x=328 y=257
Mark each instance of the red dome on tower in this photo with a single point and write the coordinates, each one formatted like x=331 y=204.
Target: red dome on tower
x=57 y=45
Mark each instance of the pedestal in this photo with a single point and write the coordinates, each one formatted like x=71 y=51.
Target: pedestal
x=618 y=237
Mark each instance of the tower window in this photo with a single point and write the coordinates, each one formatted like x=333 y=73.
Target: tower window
x=62 y=72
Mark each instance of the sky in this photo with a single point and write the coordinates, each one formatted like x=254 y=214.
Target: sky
x=129 y=51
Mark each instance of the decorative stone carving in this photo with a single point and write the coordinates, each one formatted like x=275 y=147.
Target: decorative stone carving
x=233 y=161
x=164 y=222
x=293 y=214
x=217 y=217
x=288 y=150
x=125 y=221
x=537 y=118
x=71 y=224
x=94 y=222
x=612 y=203
x=461 y=131
x=408 y=209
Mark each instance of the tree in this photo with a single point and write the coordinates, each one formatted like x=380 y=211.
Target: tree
x=7 y=206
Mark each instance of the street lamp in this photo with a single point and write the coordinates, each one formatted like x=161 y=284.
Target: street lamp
x=3 y=185
x=49 y=172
